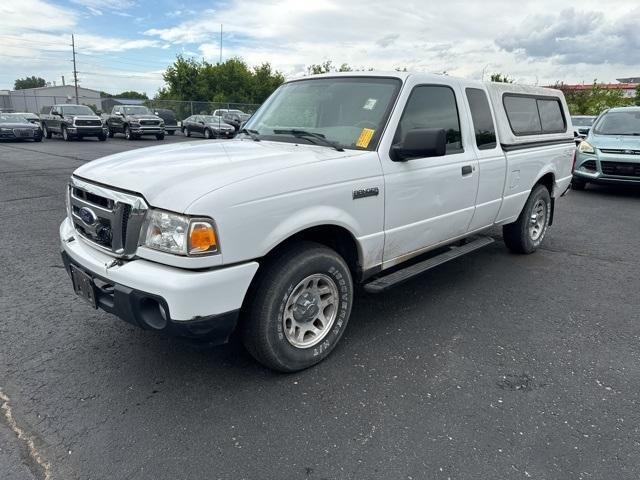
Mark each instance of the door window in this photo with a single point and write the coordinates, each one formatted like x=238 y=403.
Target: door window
x=483 y=125
x=432 y=106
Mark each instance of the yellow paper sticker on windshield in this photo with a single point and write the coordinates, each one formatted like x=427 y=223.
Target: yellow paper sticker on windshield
x=365 y=137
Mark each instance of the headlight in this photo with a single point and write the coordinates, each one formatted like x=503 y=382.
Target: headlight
x=179 y=234
x=586 y=147
x=6 y=130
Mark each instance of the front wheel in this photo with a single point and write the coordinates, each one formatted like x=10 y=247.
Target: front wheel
x=171 y=132
x=110 y=133
x=65 y=134
x=102 y=137
x=525 y=235
x=160 y=136
x=127 y=133
x=45 y=131
x=186 y=132
x=207 y=133
x=299 y=307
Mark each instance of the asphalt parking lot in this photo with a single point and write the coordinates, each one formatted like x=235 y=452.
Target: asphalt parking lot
x=491 y=366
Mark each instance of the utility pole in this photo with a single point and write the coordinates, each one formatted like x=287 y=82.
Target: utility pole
x=75 y=72
x=221 y=43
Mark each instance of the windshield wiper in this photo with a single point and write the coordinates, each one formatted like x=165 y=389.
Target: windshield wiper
x=252 y=133
x=308 y=135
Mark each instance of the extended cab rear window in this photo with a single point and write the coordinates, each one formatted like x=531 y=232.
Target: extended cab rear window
x=482 y=120
x=532 y=115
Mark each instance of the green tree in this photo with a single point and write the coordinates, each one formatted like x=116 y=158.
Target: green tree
x=637 y=99
x=318 y=68
x=499 y=77
x=29 y=82
x=593 y=100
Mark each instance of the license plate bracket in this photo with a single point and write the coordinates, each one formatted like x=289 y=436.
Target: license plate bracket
x=83 y=286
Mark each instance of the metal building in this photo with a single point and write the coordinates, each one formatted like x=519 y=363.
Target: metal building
x=33 y=100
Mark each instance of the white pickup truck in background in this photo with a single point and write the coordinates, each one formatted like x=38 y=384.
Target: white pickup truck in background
x=337 y=179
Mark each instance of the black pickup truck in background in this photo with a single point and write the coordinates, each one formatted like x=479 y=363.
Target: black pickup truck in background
x=71 y=121
x=170 y=120
x=134 y=121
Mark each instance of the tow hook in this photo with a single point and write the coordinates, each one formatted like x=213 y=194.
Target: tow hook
x=114 y=263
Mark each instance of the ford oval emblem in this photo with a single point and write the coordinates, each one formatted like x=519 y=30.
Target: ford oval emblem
x=88 y=216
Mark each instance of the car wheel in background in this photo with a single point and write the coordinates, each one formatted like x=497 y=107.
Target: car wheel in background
x=171 y=132
x=45 y=131
x=186 y=132
x=102 y=137
x=37 y=139
x=110 y=133
x=160 y=136
x=299 y=307
x=65 y=134
x=525 y=235
x=578 y=184
x=207 y=133
x=127 y=133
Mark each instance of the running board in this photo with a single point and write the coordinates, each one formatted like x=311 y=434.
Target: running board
x=391 y=280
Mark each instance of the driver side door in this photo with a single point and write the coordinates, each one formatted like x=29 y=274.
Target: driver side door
x=429 y=201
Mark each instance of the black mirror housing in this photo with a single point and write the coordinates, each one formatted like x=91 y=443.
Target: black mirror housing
x=421 y=143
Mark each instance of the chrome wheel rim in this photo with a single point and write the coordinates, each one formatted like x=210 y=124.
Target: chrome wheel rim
x=538 y=220
x=207 y=134
x=127 y=133
x=65 y=134
x=310 y=311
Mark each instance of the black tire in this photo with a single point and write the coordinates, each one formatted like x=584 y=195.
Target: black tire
x=65 y=134
x=207 y=134
x=127 y=133
x=46 y=132
x=263 y=324
x=171 y=132
x=578 y=184
x=102 y=138
x=160 y=136
x=37 y=139
x=518 y=236
x=186 y=132
x=110 y=133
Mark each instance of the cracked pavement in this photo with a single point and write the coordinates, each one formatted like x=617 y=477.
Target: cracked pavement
x=491 y=366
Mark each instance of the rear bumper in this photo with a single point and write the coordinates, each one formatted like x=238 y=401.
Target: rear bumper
x=159 y=297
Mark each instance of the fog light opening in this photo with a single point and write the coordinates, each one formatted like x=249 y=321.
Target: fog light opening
x=153 y=314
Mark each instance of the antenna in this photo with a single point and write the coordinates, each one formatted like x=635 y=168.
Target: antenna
x=75 y=72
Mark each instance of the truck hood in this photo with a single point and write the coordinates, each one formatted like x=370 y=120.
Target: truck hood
x=615 y=142
x=144 y=117
x=173 y=176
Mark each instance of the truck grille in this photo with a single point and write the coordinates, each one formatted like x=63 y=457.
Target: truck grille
x=622 y=169
x=109 y=219
x=88 y=123
x=149 y=123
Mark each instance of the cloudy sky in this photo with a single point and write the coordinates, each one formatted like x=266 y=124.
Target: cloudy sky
x=126 y=44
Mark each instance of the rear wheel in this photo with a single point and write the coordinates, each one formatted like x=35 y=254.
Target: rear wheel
x=299 y=307
x=578 y=184
x=526 y=234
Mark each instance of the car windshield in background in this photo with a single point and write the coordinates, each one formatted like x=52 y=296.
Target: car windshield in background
x=348 y=111
x=76 y=110
x=211 y=119
x=582 y=121
x=619 y=123
x=136 y=111
x=12 y=118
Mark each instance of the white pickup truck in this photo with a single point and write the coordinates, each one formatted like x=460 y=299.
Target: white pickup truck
x=337 y=179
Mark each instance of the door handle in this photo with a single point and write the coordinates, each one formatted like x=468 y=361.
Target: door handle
x=466 y=170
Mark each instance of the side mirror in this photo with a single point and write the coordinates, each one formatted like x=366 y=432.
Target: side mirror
x=119 y=114
x=421 y=143
x=201 y=122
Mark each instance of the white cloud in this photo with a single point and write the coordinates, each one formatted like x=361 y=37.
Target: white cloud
x=34 y=15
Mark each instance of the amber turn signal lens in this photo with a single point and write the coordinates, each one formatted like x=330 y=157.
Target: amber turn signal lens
x=202 y=238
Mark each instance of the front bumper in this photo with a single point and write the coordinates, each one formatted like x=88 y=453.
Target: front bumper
x=606 y=169
x=89 y=131
x=193 y=303
x=142 y=130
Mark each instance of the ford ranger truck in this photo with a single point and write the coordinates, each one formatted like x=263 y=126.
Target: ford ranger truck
x=72 y=122
x=337 y=179
x=134 y=121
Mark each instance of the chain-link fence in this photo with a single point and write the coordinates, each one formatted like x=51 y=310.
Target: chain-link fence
x=34 y=103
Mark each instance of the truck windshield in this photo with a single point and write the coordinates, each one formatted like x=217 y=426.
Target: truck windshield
x=347 y=111
x=582 y=121
x=136 y=111
x=76 y=110
x=619 y=123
